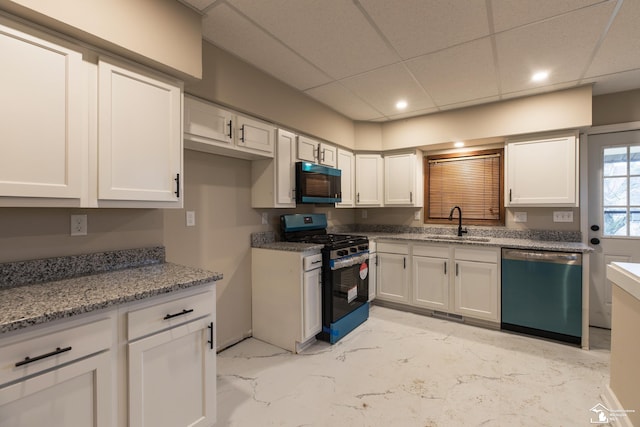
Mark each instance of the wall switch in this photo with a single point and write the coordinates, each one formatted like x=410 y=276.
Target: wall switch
x=191 y=218
x=520 y=217
x=562 y=216
x=265 y=218
x=78 y=225
x=364 y=214
x=416 y=215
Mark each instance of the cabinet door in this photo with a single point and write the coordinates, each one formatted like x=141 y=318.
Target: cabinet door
x=328 y=155
x=43 y=112
x=369 y=180
x=476 y=290
x=76 y=395
x=139 y=137
x=346 y=164
x=393 y=283
x=373 y=276
x=431 y=282
x=400 y=179
x=542 y=173
x=285 y=169
x=206 y=121
x=312 y=303
x=307 y=149
x=255 y=135
x=172 y=377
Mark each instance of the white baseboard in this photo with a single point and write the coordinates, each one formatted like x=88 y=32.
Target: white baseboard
x=610 y=400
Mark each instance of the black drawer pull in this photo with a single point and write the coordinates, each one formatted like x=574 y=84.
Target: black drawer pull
x=210 y=342
x=43 y=356
x=182 y=313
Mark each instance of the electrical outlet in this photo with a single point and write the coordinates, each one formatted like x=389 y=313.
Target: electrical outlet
x=562 y=216
x=265 y=218
x=416 y=215
x=78 y=225
x=520 y=217
x=364 y=214
x=191 y=218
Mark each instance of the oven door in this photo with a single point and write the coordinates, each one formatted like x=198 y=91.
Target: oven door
x=347 y=288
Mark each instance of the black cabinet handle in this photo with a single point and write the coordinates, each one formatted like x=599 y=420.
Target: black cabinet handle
x=182 y=313
x=404 y=262
x=230 y=129
x=445 y=267
x=242 y=133
x=210 y=342
x=456 y=268
x=43 y=356
x=177 y=180
x=509 y=194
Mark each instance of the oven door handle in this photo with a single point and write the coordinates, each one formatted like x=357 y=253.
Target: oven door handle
x=337 y=264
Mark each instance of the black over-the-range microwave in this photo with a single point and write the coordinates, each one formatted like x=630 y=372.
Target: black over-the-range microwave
x=317 y=183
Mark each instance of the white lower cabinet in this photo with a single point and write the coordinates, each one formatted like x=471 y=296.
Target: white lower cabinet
x=286 y=297
x=456 y=279
x=431 y=276
x=393 y=272
x=373 y=270
x=149 y=363
x=476 y=283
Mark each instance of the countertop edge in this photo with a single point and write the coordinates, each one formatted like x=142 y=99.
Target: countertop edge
x=625 y=275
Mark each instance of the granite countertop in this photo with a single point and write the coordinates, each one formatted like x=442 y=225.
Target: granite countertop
x=23 y=305
x=501 y=242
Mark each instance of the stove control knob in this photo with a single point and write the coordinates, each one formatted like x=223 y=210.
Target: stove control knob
x=342 y=253
x=363 y=247
x=353 y=249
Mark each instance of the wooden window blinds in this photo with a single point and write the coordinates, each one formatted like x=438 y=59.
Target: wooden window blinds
x=473 y=181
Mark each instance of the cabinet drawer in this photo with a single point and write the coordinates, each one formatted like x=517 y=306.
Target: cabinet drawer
x=393 y=248
x=480 y=255
x=167 y=314
x=434 y=251
x=50 y=350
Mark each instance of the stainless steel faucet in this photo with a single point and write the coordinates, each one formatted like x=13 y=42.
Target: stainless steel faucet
x=460 y=230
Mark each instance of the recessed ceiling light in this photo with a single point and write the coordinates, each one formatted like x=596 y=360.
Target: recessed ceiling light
x=458 y=144
x=401 y=105
x=540 y=76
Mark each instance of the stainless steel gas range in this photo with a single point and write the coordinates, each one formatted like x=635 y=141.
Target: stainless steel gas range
x=345 y=273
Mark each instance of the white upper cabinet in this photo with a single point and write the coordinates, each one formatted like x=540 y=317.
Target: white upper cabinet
x=255 y=135
x=346 y=163
x=307 y=149
x=310 y=150
x=207 y=123
x=273 y=180
x=403 y=180
x=139 y=136
x=542 y=172
x=369 y=188
x=213 y=129
x=43 y=87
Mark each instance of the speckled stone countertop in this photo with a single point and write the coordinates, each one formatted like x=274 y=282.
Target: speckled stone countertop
x=124 y=276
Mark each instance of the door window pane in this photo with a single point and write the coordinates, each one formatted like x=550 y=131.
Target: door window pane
x=615 y=161
x=615 y=222
x=634 y=224
x=614 y=192
x=634 y=191
x=634 y=160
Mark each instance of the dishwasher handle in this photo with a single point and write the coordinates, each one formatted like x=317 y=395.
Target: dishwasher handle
x=570 y=258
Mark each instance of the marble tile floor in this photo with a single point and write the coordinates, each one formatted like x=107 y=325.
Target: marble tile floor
x=402 y=369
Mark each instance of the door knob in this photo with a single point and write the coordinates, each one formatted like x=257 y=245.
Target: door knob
x=595 y=227
x=595 y=241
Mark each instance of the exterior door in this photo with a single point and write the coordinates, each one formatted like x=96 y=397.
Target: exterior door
x=614 y=213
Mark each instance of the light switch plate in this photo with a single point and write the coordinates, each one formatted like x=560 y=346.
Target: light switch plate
x=562 y=216
x=191 y=218
x=416 y=215
x=265 y=218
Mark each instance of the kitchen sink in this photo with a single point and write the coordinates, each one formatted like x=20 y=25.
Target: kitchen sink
x=457 y=238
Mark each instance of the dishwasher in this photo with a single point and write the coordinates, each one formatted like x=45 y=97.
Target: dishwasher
x=542 y=294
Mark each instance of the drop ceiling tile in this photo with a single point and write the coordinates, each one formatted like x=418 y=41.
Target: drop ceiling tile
x=461 y=73
x=620 y=50
x=615 y=82
x=232 y=32
x=539 y=90
x=383 y=87
x=470 y=103
x=560 y=45
x=414 y=113
x=199 y=4
x=332 y=34
x=343 y=101
x=416 y=27
x=514 y=13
